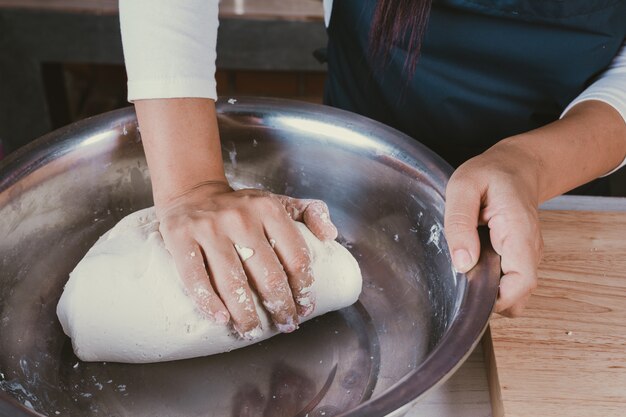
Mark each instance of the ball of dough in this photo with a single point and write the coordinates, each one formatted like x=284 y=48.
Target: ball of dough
x=124 y=301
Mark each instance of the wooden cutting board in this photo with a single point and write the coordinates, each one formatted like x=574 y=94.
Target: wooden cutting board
x=567 y=355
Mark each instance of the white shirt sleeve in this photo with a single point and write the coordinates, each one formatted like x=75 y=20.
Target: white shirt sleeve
x=169 y=47
x=610 y=87
x=328 y=8
x=170 y=51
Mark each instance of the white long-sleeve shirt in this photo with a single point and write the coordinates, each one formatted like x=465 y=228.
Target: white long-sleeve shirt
x=170 y=51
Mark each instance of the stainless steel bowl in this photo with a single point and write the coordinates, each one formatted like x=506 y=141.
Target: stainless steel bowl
x=415 y=322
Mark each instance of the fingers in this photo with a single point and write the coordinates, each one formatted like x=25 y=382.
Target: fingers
x=246 y=238
x=313 y=213
x=520 y=250
x=496 y=188
x=460 y=223
x=517 y=309
x=232 y=285
x=272 y=285
x=317 y=218
x=294 y=255
x=192 y=270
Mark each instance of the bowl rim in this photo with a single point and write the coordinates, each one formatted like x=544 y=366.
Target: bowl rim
x=473 y=312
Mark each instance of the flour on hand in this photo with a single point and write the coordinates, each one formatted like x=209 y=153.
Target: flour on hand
x=124 y=301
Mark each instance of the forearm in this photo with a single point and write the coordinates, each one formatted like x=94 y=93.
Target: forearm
x=587 y=143
x=182 y=144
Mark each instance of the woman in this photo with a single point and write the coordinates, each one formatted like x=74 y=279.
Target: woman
x=528 y=97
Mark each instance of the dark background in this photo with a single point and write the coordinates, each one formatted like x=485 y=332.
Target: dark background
x=61 y=61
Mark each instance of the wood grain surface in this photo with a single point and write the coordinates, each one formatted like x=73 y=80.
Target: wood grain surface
x=567 y=355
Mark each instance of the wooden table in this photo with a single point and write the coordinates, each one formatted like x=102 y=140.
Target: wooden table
x=567 y=355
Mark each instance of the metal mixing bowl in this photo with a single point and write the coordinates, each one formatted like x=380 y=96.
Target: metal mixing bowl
x=414 y=324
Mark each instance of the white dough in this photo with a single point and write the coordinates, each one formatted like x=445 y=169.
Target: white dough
x=124 y=301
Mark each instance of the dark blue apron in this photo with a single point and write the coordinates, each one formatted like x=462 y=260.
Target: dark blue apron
x=487 y=70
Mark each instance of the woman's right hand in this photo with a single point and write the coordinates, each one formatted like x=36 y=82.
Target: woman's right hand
x=202 y=219
x=227 y=244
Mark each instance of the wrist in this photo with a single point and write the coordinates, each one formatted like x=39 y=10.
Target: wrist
x=523 y=164
x=569 y=152
x=182 y=145
x=166 y=195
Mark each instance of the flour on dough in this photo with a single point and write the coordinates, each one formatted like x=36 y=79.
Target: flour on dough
x=124 y=301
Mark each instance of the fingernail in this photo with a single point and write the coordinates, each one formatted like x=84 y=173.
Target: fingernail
x=305 y=303
x=252 y=334
x=305 y=310
x=331 y=232
x=286 y=328
x=462 y=260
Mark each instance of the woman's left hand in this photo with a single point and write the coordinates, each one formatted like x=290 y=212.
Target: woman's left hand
x=504 y=186
x=500 y=189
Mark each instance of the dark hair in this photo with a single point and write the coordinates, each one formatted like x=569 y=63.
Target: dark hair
x=398 y=21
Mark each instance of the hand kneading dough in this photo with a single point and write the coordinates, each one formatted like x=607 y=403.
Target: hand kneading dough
x=124 y=301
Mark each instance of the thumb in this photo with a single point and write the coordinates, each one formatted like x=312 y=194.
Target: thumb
x=461 y=222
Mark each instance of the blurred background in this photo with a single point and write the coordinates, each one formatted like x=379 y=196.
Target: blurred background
x=61 y=60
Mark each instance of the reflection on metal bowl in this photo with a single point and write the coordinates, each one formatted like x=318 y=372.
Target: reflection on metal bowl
x=414 y=324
